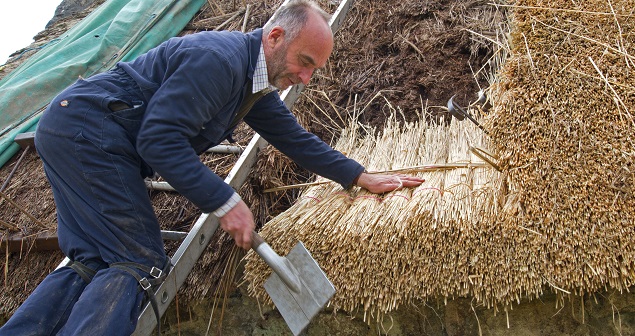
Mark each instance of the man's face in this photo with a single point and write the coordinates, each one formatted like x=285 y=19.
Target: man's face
x=293 y=63
x=277 y=69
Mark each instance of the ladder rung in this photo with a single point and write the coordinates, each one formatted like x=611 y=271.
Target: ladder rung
x=173 y=235
x=225 y=149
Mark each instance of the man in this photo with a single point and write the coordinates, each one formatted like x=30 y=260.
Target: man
x=102 y=136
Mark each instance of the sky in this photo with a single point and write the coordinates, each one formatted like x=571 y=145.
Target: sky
x=20 y=20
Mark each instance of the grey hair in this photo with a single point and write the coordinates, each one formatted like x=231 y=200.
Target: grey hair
x=293 y=16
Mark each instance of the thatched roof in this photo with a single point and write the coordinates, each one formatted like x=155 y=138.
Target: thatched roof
x=558 y=217
x=564 y=130
x=416 y=55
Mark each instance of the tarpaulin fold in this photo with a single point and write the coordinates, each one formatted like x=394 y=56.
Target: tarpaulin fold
x=118 y=30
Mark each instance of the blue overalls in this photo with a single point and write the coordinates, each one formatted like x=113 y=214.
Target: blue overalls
x=104 y=215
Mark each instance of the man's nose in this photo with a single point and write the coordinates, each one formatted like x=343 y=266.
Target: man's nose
x=305 y=75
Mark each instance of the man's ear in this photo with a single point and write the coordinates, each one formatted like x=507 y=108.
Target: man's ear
x=275 y=36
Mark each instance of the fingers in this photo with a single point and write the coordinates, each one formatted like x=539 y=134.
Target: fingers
x=410 y=178
x=381 y=183
x=243 y=239
x=408 y=181
x=240 y=239
x=239 y=224
x=411 y=181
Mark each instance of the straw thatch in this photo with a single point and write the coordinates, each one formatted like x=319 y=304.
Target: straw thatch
x=564 y=129
x=381 y=251
x=559 y=217
x=432 y=57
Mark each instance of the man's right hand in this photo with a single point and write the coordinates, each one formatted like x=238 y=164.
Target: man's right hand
x=239 y=223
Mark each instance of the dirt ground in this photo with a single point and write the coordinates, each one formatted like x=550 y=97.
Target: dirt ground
x=413 y=55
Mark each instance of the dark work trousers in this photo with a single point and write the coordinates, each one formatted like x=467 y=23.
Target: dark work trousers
x=103 y=209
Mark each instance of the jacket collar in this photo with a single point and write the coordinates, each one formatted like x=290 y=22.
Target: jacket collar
x=254 y=39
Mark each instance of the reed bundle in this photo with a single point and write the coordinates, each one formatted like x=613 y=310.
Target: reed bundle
x=381 y=251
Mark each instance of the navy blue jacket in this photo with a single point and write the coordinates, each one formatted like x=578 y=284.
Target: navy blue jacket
x=194 y=86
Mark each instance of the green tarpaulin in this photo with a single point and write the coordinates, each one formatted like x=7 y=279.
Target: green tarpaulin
x=119 y=30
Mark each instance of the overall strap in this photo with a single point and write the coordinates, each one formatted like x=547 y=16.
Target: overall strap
x=248 y=102
x=85 y=272
x=157 y=277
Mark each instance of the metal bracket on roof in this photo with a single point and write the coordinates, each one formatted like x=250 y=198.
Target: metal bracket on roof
x=459 y=113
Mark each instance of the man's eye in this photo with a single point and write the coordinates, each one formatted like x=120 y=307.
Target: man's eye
x=304 y=62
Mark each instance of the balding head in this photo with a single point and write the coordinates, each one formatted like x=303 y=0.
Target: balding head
x=296 y=41
x=293 y=16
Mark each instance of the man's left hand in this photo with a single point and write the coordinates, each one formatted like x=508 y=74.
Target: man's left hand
x=379 y=183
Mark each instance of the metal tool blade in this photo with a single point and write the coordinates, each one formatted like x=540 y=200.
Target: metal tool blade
x=459 y=113
x=299 y=307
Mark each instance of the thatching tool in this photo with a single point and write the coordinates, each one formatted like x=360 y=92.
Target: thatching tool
x=459 y=113
x=483 y=100
x=486 y=156
x=298 y=286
